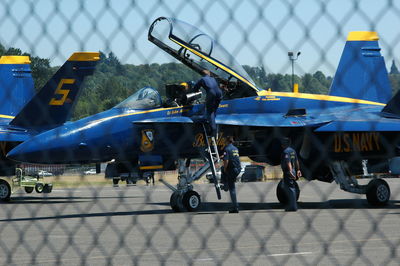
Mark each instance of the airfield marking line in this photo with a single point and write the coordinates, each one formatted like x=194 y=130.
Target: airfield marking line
x=268 y=255
x=289 y=254
x=205 y=259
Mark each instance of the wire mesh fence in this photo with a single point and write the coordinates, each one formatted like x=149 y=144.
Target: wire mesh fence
x=107 y=148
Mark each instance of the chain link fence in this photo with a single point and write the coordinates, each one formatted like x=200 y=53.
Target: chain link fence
x=89 y=219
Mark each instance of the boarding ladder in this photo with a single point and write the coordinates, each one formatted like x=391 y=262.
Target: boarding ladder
x=213 y=158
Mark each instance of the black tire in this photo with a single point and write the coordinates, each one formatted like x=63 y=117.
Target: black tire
x=47 y=188
x=5 y=191
x=175 y=202
x=378 y=192
x=130 y=182
x=281 y=195
x=39 y=187
x=115 y=181
x=29 y=189
x=191 y=200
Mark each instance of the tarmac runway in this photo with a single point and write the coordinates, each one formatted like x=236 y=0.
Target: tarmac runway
x=135 y=225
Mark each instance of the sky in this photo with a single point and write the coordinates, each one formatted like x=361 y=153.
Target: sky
x=256 y=32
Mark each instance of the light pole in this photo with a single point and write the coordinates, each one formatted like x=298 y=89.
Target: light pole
x=292 y=58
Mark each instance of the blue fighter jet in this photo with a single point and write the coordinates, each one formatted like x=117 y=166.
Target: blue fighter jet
x=24 y=114
x=359 y=120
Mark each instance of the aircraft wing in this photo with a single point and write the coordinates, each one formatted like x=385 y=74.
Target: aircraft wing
x=10 y=136
x=322 y=123
x=270 y=120
x=252 y=120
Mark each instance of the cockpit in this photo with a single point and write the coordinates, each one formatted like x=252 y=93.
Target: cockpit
x=145 y=98
x=199 y=51
x=149 y=98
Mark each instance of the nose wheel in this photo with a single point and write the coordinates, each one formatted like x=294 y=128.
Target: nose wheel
x=188 y=201
x=184 y=198
x=176 y=202
x=191 y=200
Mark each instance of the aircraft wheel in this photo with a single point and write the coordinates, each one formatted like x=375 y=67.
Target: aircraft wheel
x=378 y=192
x=5 y=191
x=191 y=200
x=115 y=182
x=39 y=187
x=281 y=194
x=28 y=190
x=130 y=182
x=176 y=202
x=47 y=188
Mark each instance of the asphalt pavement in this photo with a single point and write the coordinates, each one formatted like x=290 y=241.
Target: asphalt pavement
x=135 y=225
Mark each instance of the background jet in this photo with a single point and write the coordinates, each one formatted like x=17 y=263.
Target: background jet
x=24 y=114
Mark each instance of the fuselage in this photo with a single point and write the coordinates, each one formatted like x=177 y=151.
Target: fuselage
x=116 y=133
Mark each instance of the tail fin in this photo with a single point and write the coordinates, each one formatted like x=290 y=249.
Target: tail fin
x=16 y=84
x=362 y=73
x=392 y=108
x=53 y=104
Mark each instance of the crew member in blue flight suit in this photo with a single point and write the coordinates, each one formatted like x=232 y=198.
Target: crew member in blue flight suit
x=291 y=172
x=213 y=98
x=230 y=170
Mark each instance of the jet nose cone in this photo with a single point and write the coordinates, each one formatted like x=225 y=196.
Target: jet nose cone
x=21 y=153
x=35 y=150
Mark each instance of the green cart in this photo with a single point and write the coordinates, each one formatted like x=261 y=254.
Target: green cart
x=29 y=183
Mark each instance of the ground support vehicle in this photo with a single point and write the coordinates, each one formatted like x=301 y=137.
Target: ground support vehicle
x=9 y=185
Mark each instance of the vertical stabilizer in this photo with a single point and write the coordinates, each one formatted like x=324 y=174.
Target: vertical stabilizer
x=53 y=104
x=362 y=73
x=393 y=106
x=16 y=84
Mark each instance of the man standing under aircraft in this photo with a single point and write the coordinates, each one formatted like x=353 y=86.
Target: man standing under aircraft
x=291 y=172
x=230 y=171
x=213 y=98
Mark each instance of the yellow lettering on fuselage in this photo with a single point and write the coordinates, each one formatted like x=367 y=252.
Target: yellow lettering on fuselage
x=267 y=98
x=346 y=139
x=200 y=140
x=358 y=141
x=337 y=143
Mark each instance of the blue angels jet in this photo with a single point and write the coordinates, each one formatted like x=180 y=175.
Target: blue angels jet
x=24 y=114
x=359 y=120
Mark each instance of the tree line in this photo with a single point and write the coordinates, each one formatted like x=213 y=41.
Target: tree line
x=113 y=82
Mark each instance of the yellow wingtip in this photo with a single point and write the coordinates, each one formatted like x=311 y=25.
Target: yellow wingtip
x=15 y=59
x=363 y=36
x=85 y=56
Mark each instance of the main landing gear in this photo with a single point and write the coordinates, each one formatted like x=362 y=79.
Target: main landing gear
x=281 y=194
x=377 y=190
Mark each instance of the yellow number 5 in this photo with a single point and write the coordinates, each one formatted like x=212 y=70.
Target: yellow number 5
x=63 y=93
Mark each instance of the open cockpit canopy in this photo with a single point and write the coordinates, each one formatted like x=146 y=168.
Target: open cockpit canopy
x=199 y=51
